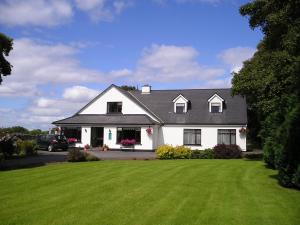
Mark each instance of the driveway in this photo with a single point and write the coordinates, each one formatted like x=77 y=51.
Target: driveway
x=121 y=155
x=43 y=157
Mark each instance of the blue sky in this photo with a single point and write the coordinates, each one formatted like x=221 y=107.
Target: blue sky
x=67 y=51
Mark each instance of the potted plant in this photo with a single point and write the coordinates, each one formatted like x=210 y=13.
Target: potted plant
x=104 y=148
x=86 y=147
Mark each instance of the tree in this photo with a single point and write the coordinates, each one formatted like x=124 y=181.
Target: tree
x=128 y=88
x=270 y=82
x=6 y=45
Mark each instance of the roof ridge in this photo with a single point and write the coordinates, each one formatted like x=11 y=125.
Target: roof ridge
x=188 y=89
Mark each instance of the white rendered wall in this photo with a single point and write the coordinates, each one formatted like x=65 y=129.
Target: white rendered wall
x=85 y=137
x=114 y=95
x=173 y=135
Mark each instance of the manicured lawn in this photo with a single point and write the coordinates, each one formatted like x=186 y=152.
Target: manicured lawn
x=147 y=192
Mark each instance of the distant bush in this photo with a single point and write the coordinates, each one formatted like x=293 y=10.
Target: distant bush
x=7 y=147
x=253 y=155
x=223 y=151
x=90 y=157
x=202 y=154
x=26 y=148
x=296 y=179
x=170 y=152
x=75 y=155
x=1 y=157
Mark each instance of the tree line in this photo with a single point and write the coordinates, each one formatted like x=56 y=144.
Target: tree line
x=270 y=82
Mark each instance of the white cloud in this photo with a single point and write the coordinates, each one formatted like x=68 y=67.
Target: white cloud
x=234 y=57
x=224 y=82
x=55 y=12
x=163 y=2
x=120 y=73
x=79 y=93
x=102 y=10
x=167 y=63
x=35 y=12
x=42 y=111
x=37 y=64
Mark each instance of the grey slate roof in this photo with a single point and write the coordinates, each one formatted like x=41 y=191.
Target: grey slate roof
x=160 y=103
x=115 y=119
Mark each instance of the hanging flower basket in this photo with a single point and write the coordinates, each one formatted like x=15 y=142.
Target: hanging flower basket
x=128 y=142
x=243 y=130
x=149 y=131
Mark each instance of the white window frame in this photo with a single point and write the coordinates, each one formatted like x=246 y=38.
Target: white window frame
x=181 y=100
x=216 y=99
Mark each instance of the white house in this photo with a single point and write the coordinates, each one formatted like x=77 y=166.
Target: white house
x=198 y=118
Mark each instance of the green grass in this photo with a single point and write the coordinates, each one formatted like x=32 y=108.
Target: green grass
x=147 y=192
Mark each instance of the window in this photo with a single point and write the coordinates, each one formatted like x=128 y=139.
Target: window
x=180 y=107
x=192 y=136
x=215 y=107
x=114 y=107
x=72 y=132
x=227 y=136
x=129 y=133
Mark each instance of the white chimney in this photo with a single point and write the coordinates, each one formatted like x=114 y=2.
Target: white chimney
x=146 y=89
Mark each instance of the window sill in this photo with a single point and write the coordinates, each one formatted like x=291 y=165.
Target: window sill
x=192 y=144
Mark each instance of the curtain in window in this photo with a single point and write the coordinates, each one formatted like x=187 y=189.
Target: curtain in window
x=227 y=136
x=192 y=137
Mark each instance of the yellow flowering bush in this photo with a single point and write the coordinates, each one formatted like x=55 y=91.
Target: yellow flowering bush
x=170 y=152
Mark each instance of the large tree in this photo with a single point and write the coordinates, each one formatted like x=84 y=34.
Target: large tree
x=270 y=82
x=6 y=45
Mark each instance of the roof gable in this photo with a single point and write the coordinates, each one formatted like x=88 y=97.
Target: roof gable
x=135 y=104
x=215 y=96
x=180 y=96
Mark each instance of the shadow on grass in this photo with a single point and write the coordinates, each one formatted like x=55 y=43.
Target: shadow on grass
x=31 y=161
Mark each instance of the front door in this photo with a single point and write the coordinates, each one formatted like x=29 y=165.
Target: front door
x=97 y=136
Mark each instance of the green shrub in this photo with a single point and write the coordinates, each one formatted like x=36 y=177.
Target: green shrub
x=1 y=157
x=75 y=155
x=223 y=151
x=26 y=148
x=253 y=155
x=202 y=154
x=90 y=157
x=7 y=147
x=296 y=178
x=182 y=152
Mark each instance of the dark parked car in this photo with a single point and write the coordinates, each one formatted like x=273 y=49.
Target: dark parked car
x=52 y=142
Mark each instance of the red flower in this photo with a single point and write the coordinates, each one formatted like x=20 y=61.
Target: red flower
x=127 y=142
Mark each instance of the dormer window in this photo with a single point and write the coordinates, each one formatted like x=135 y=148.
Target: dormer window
x=215 y=104
x=215 y=107
x=180 y=104
x=180 y=107
x=114 y=107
